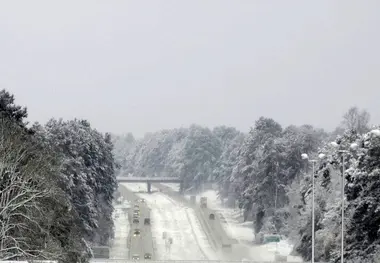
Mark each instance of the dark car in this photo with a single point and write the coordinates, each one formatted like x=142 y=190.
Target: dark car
x=147 y=221
x=136 y=220
x=136 y=233
x=148 y=256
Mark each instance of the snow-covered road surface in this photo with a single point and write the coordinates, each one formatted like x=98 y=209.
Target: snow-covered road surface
x=119 y=249
x=243 y=231
x=180 y=222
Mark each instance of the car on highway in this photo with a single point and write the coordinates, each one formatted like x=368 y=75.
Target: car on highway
x=137 y=232
x=135 y=257
x=147 y=256
x=147 y=221
x=135 y=220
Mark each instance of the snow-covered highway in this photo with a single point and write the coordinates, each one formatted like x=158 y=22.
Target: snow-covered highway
x=180 y=223
x=119 y=249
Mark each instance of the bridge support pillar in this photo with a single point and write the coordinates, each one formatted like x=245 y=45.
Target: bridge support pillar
x=149 y=185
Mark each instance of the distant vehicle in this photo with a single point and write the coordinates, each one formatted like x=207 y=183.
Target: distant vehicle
x=135 y=257
x=135 y=220
x=148 y=256
x=211 y=217
x=136 y=206
x=142 y=200
x=136 y=233
x=147 y=221
x=274 y=238
x=204 y=202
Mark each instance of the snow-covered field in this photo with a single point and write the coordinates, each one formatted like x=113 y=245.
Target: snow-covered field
x=180 y=222
x=119 y=249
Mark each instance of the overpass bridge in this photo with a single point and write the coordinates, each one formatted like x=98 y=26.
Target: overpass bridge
x=151 y=180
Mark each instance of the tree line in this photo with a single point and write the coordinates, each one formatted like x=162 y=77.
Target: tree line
x=265 y=171
x=56 y=187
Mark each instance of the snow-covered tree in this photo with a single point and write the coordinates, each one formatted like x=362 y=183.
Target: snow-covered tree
x=10 y=110
x=194 y=157
x=361 y=155
x=356 y=119
x=87 y=174
x=123 y=144
x=36 y=219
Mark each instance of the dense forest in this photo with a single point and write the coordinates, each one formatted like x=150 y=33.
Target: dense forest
x=56 y=187
x=57 y=181
x=265 y=170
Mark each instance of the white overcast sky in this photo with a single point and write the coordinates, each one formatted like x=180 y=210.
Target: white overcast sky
x=140 y=66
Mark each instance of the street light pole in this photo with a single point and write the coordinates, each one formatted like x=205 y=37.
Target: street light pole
x=313 y=218
x=305 y=156
x=342 y=234
x=353 y=146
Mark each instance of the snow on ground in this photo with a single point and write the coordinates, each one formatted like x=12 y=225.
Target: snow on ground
x=189 y=240
x=173 y=218
x=180 y=222
x=119 y=249
x=243 y=231
x=199 y=234
x=234 y=225
x=173 y=186
x=136 y=187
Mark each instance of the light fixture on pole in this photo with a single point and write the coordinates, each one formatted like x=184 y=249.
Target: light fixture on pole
x=353 y=146
x=304 y=156
x=342 y=196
